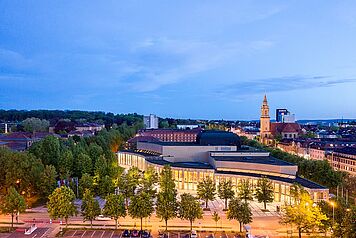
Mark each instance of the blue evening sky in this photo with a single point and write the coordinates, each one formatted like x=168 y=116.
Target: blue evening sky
x=184 y=59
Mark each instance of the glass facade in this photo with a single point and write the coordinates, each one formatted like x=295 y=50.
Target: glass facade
x=186 y=179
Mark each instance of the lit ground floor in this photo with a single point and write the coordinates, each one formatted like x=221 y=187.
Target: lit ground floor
x=188 y=175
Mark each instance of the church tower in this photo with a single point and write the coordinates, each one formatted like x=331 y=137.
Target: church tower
x=265 y=123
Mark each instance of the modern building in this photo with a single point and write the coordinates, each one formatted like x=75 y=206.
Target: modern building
x=172 y=135
x=343 y=159
x=185 y=127
x=270 y=131
x=219 y=155
x=150 y=121
x=280 y=113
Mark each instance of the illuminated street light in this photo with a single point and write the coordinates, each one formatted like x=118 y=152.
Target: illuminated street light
x=333 y=205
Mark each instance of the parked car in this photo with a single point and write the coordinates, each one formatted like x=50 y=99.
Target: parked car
x=135 y=233
x=146 y=234
x=194 y=234
x=102 y=218
x=126 y=233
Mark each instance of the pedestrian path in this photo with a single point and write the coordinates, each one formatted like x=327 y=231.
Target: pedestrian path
x=218 y=205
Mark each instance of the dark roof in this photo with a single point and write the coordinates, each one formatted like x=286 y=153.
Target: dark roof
x=346 y=150
x=193 y=165
x=172 y=143
x=218 y=138
x=302 y=181
x=278 y=128
x=253 y=159
x=142 y=139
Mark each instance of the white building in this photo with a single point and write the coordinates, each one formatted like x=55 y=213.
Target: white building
x=151 y=121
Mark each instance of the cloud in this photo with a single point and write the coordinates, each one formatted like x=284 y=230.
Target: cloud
x=242 y=89
x=166 y=61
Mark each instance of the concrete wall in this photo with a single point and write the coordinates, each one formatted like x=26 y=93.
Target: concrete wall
x=256 y=168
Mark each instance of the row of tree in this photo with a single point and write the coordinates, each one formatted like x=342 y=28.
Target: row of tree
x=138 y=197
x=263 y=191
x=318 y=171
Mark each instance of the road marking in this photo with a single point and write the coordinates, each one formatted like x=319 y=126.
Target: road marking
x=83 y=233
x=74 y=233
x=34 y=236
x=92 y=234
x=112 y=233
x=102 y=235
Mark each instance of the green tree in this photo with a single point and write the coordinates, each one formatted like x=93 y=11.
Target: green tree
x=149 y=180
x=129 y=182
x=12 y=204
x=189 y=208
x=206 y=190
x=225 y=191
x=295 y=192
x=85 y=182
x=105 y=186
x=304 y=215
x=48 y=150
x=166 y=206
x=264 y=191
x=65 y=164
x=141 y=206
x=115 y=207
x=35 y=125
x=85 y=163
x=48 y=180
x=245 y=191
x=239 y=211
x=61 y=204
x=216 y=218
x=90 y=207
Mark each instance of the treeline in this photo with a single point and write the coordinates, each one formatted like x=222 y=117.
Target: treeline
x=73 y=115
x=35 y=173
x=315 y=170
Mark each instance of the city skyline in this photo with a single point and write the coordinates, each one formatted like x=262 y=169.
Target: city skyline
x=198 y=60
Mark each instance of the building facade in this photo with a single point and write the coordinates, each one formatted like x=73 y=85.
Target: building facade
x=150 y=121
x=343 y=160
x=172 y=135
x=220 y=156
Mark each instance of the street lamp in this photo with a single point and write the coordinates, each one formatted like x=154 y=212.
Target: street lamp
x=333 y=205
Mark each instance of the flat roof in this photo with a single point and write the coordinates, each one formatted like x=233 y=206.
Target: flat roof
x=253 y=159
x=192 y=165
x=302 y=181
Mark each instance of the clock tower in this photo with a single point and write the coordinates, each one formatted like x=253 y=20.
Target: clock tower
x=265 y=123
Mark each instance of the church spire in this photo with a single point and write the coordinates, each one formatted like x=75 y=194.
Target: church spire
x=265 y=100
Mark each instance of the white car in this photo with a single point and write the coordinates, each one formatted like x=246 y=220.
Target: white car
x=102 y=218
x=193 y=234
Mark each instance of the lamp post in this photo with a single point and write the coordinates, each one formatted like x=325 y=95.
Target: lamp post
x=333 y=205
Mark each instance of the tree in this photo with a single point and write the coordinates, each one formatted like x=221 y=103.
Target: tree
x=264 y=191
x=13 y=203
x=90 y=207
x=295 y=191
x=225 y=191
x=115 y=207
x=141 y=206
x=149 y=180
x=85 y=163
x=304 y=215
x=245 y=190
x=239 y=211
x=48 y=180
x=35 y=125
x=206 y=190
x=65 y=164
x=129 y=181
x=61 y=204
x=105 y=186
x=166 y=206
x=216 y=218
x=189 y=208
x=85 y=182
